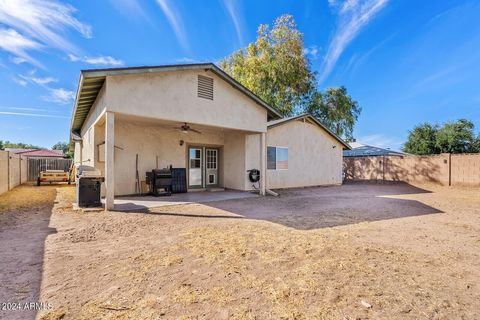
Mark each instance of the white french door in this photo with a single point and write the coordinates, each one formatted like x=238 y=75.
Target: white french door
x=211 y=172
x=202 y=167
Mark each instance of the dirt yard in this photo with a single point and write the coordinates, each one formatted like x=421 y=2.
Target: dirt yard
x=360 y=251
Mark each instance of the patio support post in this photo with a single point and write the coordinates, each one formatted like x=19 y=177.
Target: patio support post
x=109 y=159
x=263 y=164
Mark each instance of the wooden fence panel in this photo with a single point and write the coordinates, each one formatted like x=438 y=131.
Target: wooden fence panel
x=35 y=165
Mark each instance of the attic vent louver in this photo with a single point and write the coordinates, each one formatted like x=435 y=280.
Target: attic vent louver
x=205 y=87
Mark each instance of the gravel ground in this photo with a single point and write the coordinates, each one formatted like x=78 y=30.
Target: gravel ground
x=358 y=251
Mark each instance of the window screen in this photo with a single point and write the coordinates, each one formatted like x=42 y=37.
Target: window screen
x=271 y=158
x=282 y=158
x=277 y=158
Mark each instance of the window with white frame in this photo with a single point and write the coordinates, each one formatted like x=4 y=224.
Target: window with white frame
x=277 y=158
x=211 y=159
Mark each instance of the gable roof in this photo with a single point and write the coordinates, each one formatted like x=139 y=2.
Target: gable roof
x=274 y=123
x=37 y=152
x=363 y=150
x=92 y=80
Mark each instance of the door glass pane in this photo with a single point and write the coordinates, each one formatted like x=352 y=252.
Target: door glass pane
x=271 y=158
x=211 y=159
x=195 y=170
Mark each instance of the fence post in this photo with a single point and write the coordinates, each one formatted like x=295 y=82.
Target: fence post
x=8 y=170
x=20 y=169
x=449 y=169
x=353 y=168
x=383 y=169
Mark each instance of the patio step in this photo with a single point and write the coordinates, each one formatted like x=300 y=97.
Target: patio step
x=215 y=189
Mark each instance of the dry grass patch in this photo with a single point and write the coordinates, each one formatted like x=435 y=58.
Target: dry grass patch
x=323 y=274
x=199 y=262
x=27 y=196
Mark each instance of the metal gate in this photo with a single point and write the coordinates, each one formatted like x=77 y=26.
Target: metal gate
x=35 y=165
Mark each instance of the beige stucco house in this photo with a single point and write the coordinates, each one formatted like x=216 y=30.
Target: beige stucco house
x=195 y=117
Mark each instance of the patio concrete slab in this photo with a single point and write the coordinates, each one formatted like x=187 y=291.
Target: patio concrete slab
x=144 y=202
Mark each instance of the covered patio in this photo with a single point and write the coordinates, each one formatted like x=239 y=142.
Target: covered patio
x=195 y=117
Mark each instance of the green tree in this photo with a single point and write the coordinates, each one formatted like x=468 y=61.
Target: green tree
x=476 y=144
x=336 y=109
x=451 y=137
x=19 y=145
x=274 y=67
x=64 y=146
x=422 y=140
x=1 y=145
x=456 y=137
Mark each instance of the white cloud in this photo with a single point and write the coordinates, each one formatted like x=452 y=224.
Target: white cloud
x=175 y=21
x=42 y=81
x=18 y=60
x=105 y=60
x=33 y=24
x=23 y=109
x=353 y=15
x=37 y=80
x=18 y=45
x=130 y=8
x=332 y=3
x=186 y=60
x=438 y=75
x=311 y=51
x=21 y=82
x=31 y=114
x=60 y=96
x=73 y=57
x=99 y=60
x=233 y=12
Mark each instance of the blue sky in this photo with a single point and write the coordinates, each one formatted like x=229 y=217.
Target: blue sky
x=404 y=61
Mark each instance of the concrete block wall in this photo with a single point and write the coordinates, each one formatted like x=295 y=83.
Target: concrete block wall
x=4 y=172
x=13 y=170
x=444 y=169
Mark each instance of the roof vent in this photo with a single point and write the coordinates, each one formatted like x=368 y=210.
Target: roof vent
x=205 y=87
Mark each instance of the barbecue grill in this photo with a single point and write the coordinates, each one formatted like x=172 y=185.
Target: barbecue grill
x=160 y=182
x=89 y=182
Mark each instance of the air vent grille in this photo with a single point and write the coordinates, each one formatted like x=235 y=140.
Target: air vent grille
x=205 y=87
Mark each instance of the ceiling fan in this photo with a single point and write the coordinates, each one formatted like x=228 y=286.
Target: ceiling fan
x=185 y=128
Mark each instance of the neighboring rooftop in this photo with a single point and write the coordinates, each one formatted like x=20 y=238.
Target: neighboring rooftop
x=37 y=152
x=363 y=150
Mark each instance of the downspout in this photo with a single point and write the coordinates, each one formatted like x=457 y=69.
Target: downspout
x=271 y=192
x=8 y=170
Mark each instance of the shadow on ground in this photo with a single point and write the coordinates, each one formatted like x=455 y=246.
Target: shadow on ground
x=313 y=207
x=319 y=207
x=23 y=232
